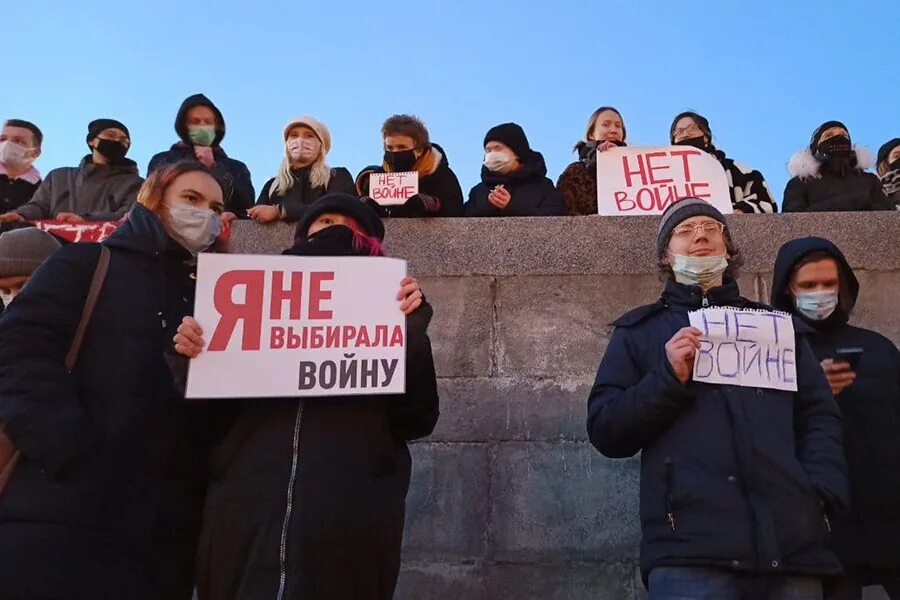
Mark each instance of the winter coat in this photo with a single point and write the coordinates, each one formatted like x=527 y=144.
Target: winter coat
x=867 y=535
x=531 y=193
x=319 y=482
x=95 y=192
x=106 y=498
x=749 y=192
x=731 y=477
x=890 y=185
x=16 y=192
x=239 y=194
x=435 y=180
x=578 y=182
x=813 y=189
x=298 y=197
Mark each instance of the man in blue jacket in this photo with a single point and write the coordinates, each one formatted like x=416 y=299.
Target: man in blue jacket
x=736 y=482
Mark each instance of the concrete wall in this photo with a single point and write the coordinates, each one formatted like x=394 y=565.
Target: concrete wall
x=508 y=498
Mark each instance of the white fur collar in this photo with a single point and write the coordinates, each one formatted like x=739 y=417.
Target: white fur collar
x=804 y=165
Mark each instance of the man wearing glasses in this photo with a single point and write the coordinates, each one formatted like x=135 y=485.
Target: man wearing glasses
x=102 y=188
x=736 y=481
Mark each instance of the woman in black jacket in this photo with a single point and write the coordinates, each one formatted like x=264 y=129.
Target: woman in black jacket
x=307 y=498
x=831 y=175
x=513 y=179
x=106 y=498
x=304 y=177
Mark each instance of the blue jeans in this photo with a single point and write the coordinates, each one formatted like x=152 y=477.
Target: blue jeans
x=699 y=583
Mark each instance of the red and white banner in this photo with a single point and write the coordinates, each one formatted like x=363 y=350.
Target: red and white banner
x=86 y=231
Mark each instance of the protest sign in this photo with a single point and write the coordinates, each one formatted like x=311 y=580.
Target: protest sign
x=86 y=231
x=289 y=326
x=393 y=189
x=746 y=347
x=644 y=181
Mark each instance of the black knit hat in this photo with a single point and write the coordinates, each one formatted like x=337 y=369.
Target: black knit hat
x=513 y=136
x=886 y=150
x=343 y=204
x=679 y=211
x=98 y=125
x=814 y=140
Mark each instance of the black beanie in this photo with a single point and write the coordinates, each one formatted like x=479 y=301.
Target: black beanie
x=342 y=204
x=513 y=136
x=98 y=125
x=886 y=150
x=679 y=211
x=814 y=141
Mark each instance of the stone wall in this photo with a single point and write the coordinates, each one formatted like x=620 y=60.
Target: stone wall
x=508 y=498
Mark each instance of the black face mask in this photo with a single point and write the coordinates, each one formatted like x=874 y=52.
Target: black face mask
x=335 y=240
x=837 y=147
x=111 y=150
x=894 y=166
x=401 y=161
x=696 y=142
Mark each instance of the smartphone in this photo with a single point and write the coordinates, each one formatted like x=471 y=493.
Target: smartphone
x=849 y=355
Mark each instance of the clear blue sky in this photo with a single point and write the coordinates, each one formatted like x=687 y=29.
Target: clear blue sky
x=764 y=73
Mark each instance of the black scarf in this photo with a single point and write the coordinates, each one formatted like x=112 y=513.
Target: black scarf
x=336 y=240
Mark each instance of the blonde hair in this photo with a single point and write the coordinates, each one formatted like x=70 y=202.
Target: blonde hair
x=319 y=171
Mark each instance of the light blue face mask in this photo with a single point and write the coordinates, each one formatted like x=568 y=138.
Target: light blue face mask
x=698 y=270
x=816 y=306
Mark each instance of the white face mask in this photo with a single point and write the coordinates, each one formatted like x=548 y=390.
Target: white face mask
x=497 y=160
x=14 y=155
x=298 y=148
x=698 y=270
x=816 y=306
x=7 y=298
x=194 y=228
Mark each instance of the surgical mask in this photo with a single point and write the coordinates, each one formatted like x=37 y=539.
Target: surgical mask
x=7 y=298
x=816 y=306
x=14 y=155
x=297 y=148
x=202 y=135
x=112 y=150
x=496 y=160
x=698 y=270
x=401 y=161
x=194 y=228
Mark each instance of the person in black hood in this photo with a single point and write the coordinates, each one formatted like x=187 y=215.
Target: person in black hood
x=830 y=175
x=513 y=179
x=814 y=281
x=888 y=165
x=201 y=128
x=407 y=147
x=735 y=480
x=106 y=497
x=749 y=192
x=307 y=498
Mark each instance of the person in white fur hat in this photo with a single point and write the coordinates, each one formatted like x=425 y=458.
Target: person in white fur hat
x=831 y=175
x=304 y=176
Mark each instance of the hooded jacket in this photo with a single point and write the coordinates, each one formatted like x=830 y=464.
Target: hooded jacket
x=106 y=498
x=867 y=535
x=531 y=193
x=731 y=477
x=814 y=189
x=95 y=192
x=239 y=194
x=294 y=202
x=437 y=181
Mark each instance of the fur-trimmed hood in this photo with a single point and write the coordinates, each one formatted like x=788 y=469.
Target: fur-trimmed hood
x=804 y=164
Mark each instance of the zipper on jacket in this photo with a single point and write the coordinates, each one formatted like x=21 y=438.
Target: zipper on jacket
x=670 y=511
x=289 y=507
x=704 y=300
x=827 y=521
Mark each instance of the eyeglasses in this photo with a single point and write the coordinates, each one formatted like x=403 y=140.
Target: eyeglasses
x=686 y=230
x=692 y=128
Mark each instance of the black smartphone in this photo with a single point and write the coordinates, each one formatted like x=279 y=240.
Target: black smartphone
x=849 y=355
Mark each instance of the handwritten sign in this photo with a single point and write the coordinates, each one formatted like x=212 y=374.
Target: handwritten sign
x=751 y=348
x=644 y=181
x=392 y=189
x=87 y=231
x=289 y=326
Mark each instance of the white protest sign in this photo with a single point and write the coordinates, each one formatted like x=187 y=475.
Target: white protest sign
x=392 y=189
x=288 y=326
x=746 y=347
x=644 y=181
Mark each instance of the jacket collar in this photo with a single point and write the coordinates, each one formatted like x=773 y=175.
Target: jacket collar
x=690 y=297
x=32 y=175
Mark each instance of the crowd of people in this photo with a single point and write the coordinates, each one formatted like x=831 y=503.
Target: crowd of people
x=830 y=175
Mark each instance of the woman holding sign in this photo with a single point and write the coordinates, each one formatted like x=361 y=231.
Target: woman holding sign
x=737 y=479
x=307 y=498
x=106 y=496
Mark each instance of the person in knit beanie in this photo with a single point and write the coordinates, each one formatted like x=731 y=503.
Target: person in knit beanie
x=22 y=251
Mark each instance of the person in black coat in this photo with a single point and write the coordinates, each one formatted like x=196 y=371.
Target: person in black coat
x=201 y=129
x=814 y=281
x=307 y=498
x=303 y=177
x=735 y=481
x=830 y=175
x=513 y=179
x=408 y=147
x=105 y=500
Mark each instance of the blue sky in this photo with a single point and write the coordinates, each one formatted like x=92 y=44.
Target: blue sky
x=764 y=73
